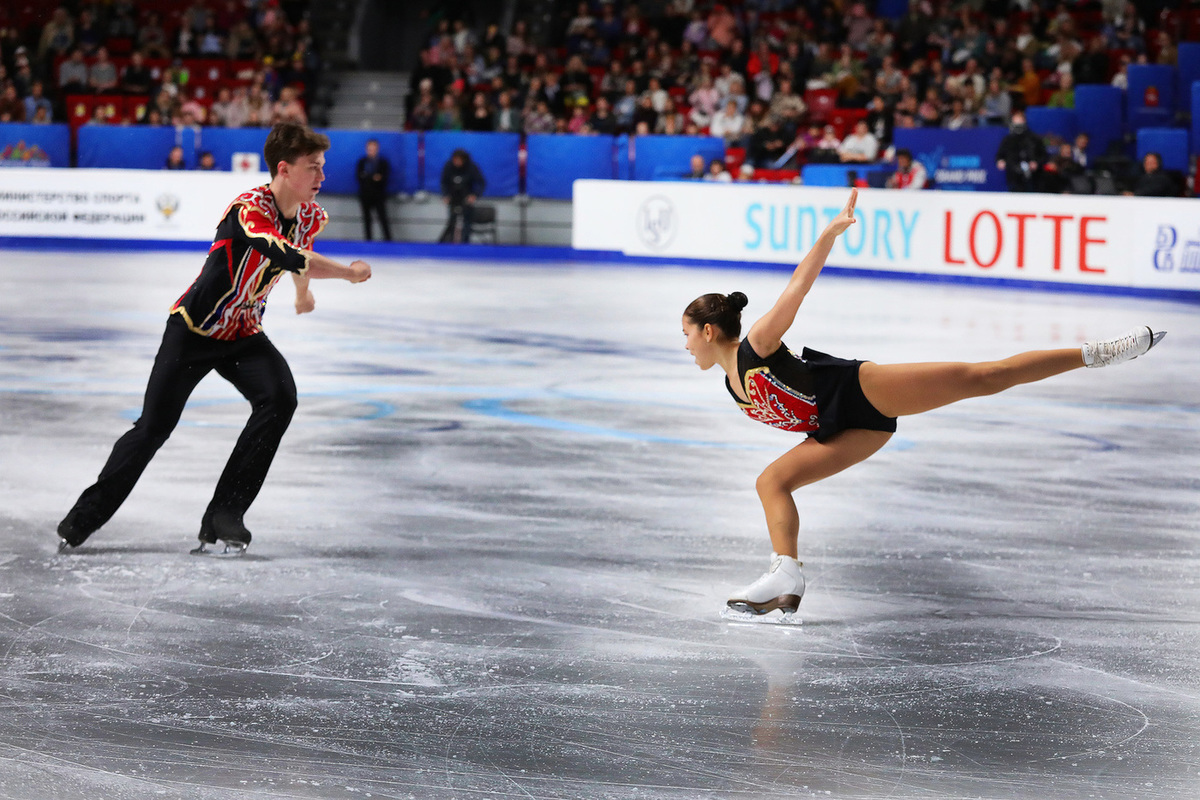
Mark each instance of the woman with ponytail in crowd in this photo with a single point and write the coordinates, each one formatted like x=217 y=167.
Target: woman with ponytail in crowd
x=848 y=409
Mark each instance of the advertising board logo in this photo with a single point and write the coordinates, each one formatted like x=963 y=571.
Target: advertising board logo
x=657 y=222
x=167 y=205
x=23 y=155
x=1165 y=243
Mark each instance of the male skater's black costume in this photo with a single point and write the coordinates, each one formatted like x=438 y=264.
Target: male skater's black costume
x=217 y=324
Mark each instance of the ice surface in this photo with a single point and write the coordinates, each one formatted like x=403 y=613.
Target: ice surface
x=491 y=557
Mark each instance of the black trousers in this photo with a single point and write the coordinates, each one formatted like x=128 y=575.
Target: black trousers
x=259 y=372
x=375 y=207
x=459 y=211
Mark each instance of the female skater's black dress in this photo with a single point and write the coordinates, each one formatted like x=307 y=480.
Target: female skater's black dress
x=812 y=393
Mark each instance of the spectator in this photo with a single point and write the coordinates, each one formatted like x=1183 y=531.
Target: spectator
x=102 y=74
x=1029 y=85
x=288 y=107
x=136 y=77
x=929 y=112
x=506 y=118
x=152 y=39
x=602 y=120
x=626 y=105
x=997 y=104
x=242 y=43
x=1154 y=180
x=767 y=144
x=1021 y=155
x=1120 y=78
x=787 y=107
x=1064 y=95
x=207 y=162
x=705 y=100
x=12 y=108
x=371 y=172
x=826 y=149
x=37 y=100
x=58 y=36
x=860 y=147
x=909 y=174
x=99 y=116
x=448 y=117
x=958 y=118
x=670 y=121
x=175 y=159
x=717 y=172
x=538 y=119
x=462 y=184
x=189 y=111
x=41 y=116
x=73 y=74
x=1079 y=151
x=728 y=124
x=222 y=113
x=880 y=121
x=697 y=168
x=479 y=117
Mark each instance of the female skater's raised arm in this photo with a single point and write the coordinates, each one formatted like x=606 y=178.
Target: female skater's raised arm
x=767 y=333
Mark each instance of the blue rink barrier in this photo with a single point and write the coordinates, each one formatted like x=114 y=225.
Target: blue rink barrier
x=554 y=162
x=669 y=157
x=496 y=154
x=34 y=145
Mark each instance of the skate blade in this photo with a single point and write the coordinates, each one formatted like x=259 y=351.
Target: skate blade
x=220 y=550
x=64 y=546
x=740 y=612
x=1156 y=337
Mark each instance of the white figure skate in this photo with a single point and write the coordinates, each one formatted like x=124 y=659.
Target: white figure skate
x=780 y=588
x=1123 y=348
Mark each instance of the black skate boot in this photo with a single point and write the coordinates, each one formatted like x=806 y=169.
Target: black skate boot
x=71 y=533
x=226 y=528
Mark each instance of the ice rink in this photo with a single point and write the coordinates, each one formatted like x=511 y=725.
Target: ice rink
x=490 y=558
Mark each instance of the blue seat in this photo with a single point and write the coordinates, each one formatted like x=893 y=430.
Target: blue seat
x=1099 y=109
x=1189 y=73
x=1150 y=99
x=1063 y=122
x=1170 y=143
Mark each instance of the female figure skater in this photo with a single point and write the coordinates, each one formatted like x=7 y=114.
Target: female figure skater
x=847 y=408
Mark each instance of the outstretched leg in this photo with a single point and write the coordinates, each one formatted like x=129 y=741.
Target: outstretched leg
x=898 y=390
x=808 y=462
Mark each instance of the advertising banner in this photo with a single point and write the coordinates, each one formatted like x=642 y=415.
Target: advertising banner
x=118 y=204
x=34 y=146
x=1093 y=241
x=963 y=160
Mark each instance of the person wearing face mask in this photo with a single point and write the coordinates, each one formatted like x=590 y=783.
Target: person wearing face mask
x=1021 y=155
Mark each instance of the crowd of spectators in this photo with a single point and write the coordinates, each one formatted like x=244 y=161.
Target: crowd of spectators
x=771 y=76
x=228 y=63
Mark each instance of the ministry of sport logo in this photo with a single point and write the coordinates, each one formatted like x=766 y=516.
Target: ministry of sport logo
x=657 y=222
x=1165 y=259
x=167 y=205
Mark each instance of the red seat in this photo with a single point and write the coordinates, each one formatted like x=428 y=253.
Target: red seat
x=820 y=102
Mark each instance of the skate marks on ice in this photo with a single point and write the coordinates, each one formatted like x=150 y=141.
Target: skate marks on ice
x=484 y=563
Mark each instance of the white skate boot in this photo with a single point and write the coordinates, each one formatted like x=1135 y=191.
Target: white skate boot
x=1123 y=348
x=781 y=587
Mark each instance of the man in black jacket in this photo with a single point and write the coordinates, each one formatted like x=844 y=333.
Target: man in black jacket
x=1021 y=155
x=372 y=172
x=1154 y=180
x=462 y=183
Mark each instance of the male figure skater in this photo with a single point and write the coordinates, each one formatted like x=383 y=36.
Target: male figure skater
x=217 y=325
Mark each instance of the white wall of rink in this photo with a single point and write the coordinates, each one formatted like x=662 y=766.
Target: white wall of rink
x=117 y=204
x=1088 y=240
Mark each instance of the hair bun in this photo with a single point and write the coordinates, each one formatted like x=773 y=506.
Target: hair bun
x=737 y=301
